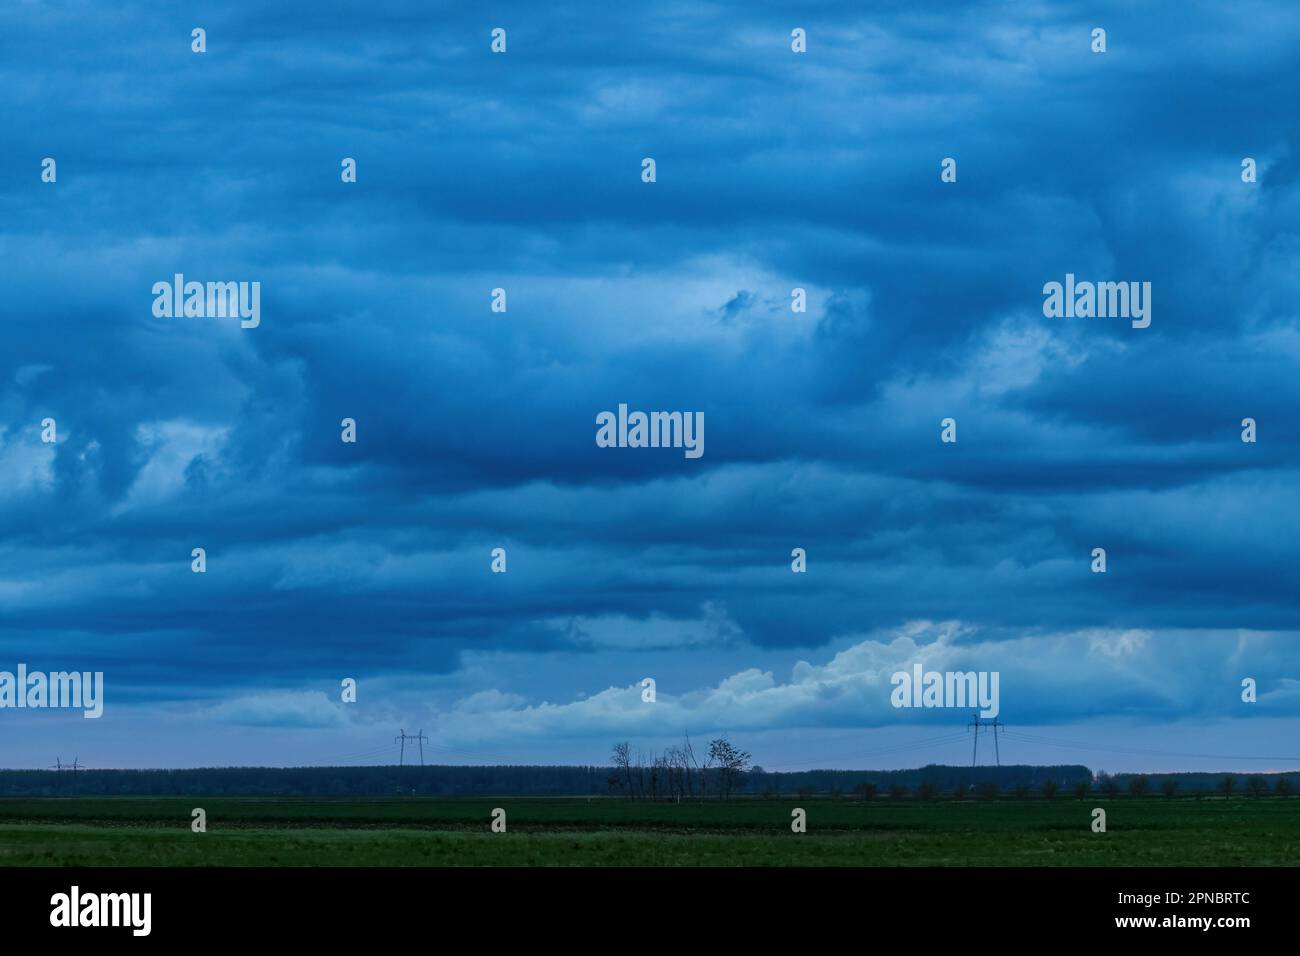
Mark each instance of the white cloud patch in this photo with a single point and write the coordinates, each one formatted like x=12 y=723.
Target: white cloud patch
x=26 y=463
x=281 y=709
x=713 y=627
x=1044 y=677
x=172 y=448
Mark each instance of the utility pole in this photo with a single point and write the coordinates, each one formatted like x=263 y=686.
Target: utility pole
x=992 y=725
x=60 y=766
x=403 y=737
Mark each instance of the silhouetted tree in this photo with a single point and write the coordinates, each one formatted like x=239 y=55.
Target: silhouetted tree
x=622 y=758
x=730 y=761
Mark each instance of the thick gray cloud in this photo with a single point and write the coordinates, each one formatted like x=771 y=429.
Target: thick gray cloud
x=476 y=429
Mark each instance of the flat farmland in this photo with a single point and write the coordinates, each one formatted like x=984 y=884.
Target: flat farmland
x=423 y=831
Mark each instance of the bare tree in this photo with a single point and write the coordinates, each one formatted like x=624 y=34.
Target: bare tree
x=622 y=757
x=1258 y=785
x=1169 y=786
x=692 y=766
x=731 y=763
x=674 y=772
x=656 y=775
x=640 y=772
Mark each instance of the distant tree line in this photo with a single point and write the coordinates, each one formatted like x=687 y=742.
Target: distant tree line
x=723 y=770
x=1199 y=784
x=539 y=781
x=924 y=783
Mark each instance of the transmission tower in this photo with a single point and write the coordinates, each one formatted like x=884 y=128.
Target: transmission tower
x=992 y=724
x=403 y=737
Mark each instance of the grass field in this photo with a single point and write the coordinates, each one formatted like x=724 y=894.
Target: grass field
x=1153 y=831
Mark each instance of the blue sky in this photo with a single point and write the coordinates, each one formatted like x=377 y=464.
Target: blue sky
x=476 y=429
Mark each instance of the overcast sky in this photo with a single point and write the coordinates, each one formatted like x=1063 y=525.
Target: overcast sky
x=476 y=430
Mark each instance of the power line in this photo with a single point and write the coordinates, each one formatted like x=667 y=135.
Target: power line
x=355 y=755
x=925 y=743
x=977 y=722
x=418 y=737
x=1136 y=751
x=436 y=748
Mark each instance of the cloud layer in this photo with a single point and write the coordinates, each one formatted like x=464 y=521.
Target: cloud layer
x=476 y=429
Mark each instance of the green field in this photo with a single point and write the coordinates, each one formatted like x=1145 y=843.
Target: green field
x=1144 y=831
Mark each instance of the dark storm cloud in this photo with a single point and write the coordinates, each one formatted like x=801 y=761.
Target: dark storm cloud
x=476 y=429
